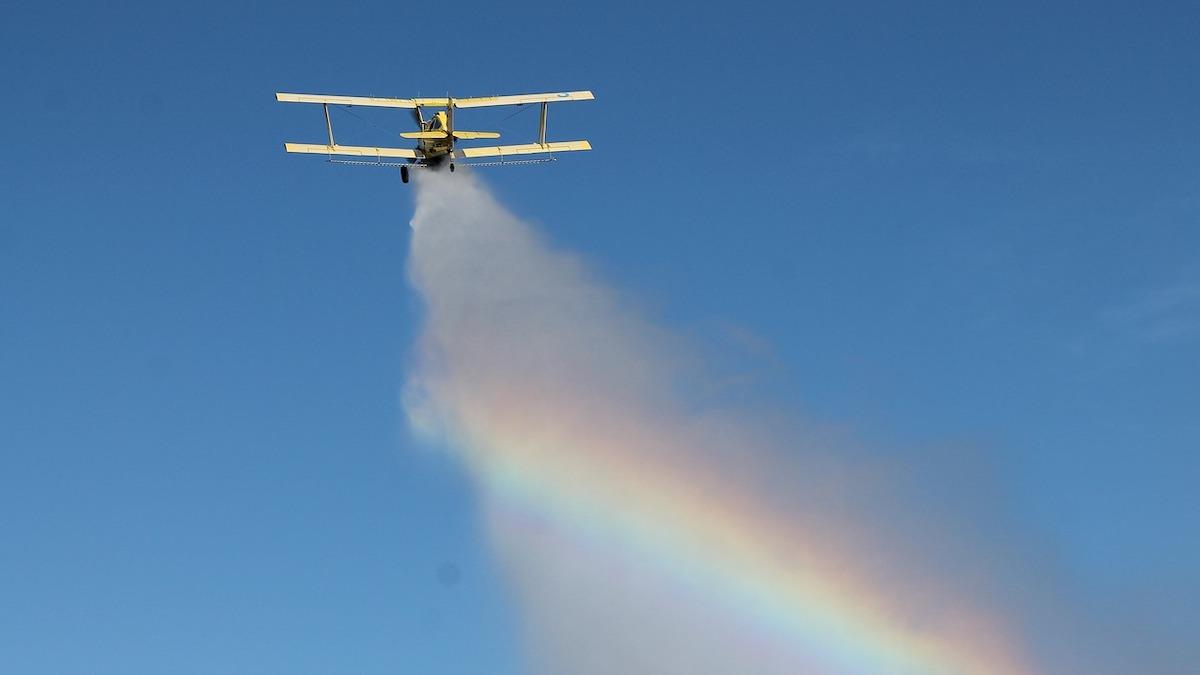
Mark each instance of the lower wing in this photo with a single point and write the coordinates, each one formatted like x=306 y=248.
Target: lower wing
x=524 y=149
x=355 y=150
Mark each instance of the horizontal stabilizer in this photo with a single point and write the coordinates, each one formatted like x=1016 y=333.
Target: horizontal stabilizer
x=358 y=151
x=472 y=135
x=460 y=135
x=521 y=99
x=523 y=149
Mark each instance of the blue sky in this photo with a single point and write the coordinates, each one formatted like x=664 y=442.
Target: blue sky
x=968 y=227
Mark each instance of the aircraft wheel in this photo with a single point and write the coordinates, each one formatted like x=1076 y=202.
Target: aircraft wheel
x=451 y=167
x=404 y=174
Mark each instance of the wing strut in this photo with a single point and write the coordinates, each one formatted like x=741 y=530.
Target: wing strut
x=541 y=125
x=328 y=124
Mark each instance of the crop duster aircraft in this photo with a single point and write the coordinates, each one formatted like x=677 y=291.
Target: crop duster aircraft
x=436 y=137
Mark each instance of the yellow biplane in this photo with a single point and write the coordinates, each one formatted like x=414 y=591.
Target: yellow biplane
x=436 y=136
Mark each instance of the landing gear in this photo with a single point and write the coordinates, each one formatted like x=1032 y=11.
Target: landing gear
x=404 y=174
x=451 y=167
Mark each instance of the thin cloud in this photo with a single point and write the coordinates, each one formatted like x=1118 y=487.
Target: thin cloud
x=1165 y=314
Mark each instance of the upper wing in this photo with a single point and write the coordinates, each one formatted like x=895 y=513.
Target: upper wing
x=348 y=100
x=356 y=150
x=524 y=149
x=476 y=102
x=519 y=99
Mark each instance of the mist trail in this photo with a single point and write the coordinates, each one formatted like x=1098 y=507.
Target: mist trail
x=641 y=536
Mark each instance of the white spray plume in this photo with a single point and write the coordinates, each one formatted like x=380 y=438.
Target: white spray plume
x=529 y=365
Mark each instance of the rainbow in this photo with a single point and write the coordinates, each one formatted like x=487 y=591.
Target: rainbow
x=686 y=521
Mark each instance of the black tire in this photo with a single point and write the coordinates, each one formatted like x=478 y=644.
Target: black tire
x=404 y=174
x=451 y=167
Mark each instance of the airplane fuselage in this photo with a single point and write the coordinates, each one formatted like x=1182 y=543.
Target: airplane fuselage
x=435 y=150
